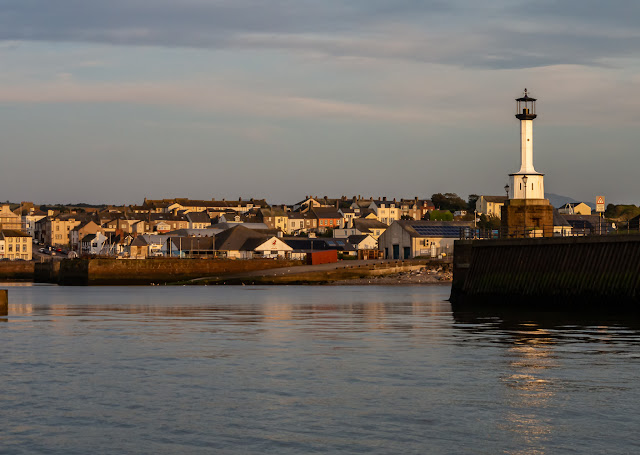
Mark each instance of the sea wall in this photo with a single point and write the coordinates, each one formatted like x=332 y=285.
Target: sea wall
x=46 y=272
x=544 y=273
x=156 y=271
x=16 y=270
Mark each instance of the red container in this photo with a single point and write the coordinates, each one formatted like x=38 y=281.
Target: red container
x=322 y=257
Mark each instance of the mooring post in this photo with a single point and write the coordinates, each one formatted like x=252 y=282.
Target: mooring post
x=4 y=302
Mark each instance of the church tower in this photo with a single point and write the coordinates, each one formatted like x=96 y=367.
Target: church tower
x=527 y=213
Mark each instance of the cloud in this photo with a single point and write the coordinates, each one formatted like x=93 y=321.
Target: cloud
x=207 y=96
x=494 y=35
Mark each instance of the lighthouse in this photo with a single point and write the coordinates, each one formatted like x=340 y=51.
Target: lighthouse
x=526 y=183
x=526 y=213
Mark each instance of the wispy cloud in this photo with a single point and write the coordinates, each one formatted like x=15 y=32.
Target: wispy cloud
x=497 y=35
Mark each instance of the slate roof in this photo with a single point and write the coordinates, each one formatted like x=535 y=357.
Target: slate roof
x=199 y=217
x=316 y=244
x=364 y=225
x=207 y=232
x=558 y=219
x=193 y=243
x=272 y=212
x=234 y=239
x=356 y=239
x=88 y=238
x=326 y=212
x=496 y=199
x=12 y=233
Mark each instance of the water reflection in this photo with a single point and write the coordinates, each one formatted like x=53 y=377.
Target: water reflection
x=289 y=370
x=536 y=350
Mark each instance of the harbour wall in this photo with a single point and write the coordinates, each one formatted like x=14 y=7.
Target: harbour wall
x=545 y=273
x=16 y=270
x=155 y=271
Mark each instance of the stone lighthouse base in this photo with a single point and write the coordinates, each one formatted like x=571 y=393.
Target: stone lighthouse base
x=527 y=218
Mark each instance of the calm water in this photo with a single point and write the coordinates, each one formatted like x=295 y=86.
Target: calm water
x=296 y=370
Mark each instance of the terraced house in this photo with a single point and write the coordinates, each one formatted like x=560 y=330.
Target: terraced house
x=15 y=245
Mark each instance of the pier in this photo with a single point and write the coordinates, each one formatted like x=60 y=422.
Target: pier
x=599 y=272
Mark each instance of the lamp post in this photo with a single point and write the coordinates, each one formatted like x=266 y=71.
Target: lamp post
x=524 y=232
x=506 y=190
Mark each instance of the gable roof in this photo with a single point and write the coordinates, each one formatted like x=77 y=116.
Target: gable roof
x=199 y=217
x=365 y=225
x=326 y=212
x=12 y=233
x=193 y=243
x=357 y=239
x=495 y=199
x=559 y=220
x=235 y=238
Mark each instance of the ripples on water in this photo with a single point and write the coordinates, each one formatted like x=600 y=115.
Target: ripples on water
x=284 y=370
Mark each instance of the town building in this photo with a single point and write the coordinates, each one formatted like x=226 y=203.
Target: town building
x=15 y=245
x=8 y=219
x=407 y=239
x=386 y=211
x=328 y=218
x=415 y=209
x=491 y=205
x=575 y=208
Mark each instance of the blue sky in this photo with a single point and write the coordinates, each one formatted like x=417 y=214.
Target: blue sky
x=114 y=101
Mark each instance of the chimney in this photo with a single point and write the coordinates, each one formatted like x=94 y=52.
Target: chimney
x=384 y=199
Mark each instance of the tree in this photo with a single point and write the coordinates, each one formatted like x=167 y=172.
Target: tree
x=440 y=215
x=473 y=198
x=489 y=222
x=448 y=201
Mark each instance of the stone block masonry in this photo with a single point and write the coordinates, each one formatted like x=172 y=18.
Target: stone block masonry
x=155 y=271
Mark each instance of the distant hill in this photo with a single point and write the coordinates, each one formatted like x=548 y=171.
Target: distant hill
x=558 y=200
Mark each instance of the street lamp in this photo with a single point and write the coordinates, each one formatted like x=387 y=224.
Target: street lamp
x=524 y=180
x=506 y=190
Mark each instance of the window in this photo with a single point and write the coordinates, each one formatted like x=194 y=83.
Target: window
x=10 y=248
x=24 y=248
x=57 y=227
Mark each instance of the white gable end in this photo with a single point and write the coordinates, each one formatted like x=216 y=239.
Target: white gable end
x=273 y=244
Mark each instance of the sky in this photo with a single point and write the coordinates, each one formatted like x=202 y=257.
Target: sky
x=112 y=102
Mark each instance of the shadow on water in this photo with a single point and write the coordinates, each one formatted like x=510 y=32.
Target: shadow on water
x=490 y=319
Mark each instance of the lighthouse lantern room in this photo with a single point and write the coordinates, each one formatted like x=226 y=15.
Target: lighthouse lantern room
x=526 y=183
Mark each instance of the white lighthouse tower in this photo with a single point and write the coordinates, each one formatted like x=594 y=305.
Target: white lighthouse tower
x=527 y=213
x=526 y=183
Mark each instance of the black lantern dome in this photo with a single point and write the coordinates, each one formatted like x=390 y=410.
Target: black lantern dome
x=526 y=107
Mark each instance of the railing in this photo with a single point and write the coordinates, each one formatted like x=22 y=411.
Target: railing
x=513 y=232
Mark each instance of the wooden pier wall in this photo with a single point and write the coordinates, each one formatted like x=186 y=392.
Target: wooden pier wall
x=547 y=272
